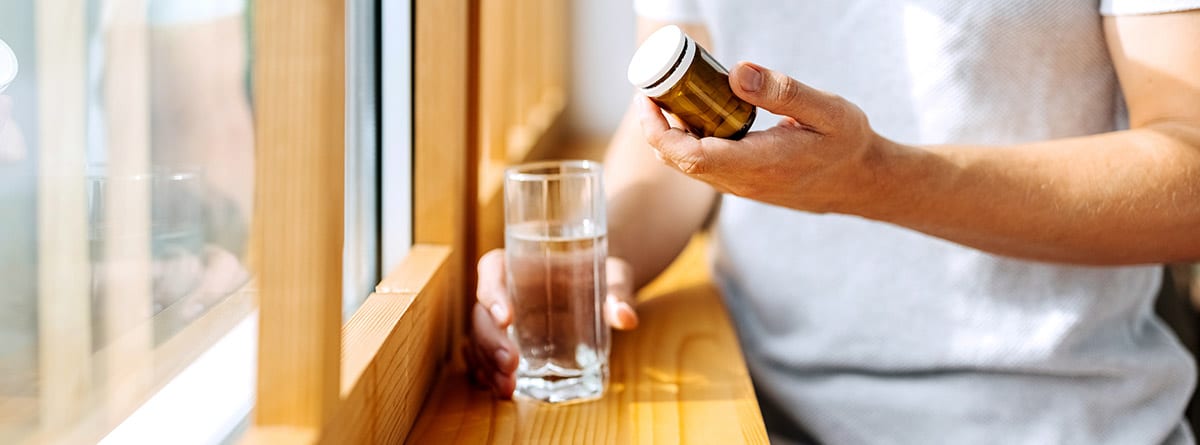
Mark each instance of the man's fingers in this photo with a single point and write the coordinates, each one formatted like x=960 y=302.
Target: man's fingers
x=494 y=346
x=618 y=303
x=674 y=146
x=776 y=92
x=492 y=289
x=619 y=314
x=503 y=384
x=657 y=130
x=476 y=371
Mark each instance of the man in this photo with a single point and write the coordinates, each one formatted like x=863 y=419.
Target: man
x=962 y=247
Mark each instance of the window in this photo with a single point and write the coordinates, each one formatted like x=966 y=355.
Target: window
x=127 y=210
x=126 y=195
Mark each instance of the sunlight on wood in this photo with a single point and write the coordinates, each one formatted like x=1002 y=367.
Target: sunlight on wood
x=679 y=378
x=299 y=78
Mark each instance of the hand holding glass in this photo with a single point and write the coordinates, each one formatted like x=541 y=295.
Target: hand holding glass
x=555 y=248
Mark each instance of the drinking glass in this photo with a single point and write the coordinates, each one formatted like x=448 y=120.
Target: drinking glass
x=555 y=247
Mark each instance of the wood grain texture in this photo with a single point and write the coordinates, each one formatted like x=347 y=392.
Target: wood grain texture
x=521 y=99
x=679 y=378
x=300 y=125
x=495 y=74
x=442 y=155
x=280 y=435
x=64 y=269
x=546 y=143
x=390 y=352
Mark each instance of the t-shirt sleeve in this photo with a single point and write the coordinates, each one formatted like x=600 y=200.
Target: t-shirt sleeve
x=178 y=12
x=1132 y=7
x=679 y=11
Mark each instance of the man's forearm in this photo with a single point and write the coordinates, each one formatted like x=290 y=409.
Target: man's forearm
x=652 y=210
x=1118 y=198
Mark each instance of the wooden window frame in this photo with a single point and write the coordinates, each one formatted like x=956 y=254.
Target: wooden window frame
x=363 y=382
x=366 y=381
x=418 y=310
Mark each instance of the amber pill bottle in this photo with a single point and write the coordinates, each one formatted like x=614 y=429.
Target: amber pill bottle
x=683 y=79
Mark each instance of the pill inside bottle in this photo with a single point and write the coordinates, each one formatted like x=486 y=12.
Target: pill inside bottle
x=683 y=78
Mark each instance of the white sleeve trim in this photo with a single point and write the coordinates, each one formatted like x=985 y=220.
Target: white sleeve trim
x=1134 y=7
x=178 y=12
x=675 y=11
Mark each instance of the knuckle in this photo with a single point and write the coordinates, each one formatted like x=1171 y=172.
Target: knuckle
x=654 y=138
x=839 y=109
x=483 y=294
x=693 y=161
x=479 y=316
x=491 y=257
x=692 y=165
x=789 y=89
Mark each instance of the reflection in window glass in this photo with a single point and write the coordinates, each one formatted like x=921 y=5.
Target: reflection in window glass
x=126 y=186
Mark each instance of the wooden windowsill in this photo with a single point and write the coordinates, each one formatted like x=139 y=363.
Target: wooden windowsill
x=679 y=377
x=113 y=399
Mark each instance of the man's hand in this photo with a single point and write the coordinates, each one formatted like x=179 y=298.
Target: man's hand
x=1116 y=198
x=491 y=356
x=818 y=158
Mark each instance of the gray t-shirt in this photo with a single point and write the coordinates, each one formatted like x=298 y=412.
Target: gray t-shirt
x=859 y=332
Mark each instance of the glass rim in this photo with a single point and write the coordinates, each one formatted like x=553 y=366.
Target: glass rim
x=584 y=168
x=99 y=172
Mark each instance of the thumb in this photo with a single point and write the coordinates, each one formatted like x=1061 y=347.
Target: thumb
x=776 y=92
x=618 y=303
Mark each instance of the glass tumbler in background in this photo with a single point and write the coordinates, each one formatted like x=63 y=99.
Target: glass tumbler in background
x=555 y=249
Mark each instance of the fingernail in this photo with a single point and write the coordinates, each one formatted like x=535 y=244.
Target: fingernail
x=627 y=309
x=502 y=356
x=749 y=77
x=644 y=108
x=499 y=312
x=627 y=316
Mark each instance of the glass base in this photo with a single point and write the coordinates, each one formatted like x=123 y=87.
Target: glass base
x=558 y=385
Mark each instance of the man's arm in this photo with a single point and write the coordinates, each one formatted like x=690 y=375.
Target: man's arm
x=1124 y=197
x=652 y=210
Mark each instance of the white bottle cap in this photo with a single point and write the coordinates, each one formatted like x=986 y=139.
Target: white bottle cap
x=8 y=66
x=656 y=57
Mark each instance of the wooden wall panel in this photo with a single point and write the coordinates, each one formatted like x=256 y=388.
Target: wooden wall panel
x=442 y=156
x=521 y=76
x=300 y=125
x=495 y=69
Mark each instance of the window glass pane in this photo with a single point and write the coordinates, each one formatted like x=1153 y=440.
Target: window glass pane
x=361 y=256
x=397 y=152
x=126 y=194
